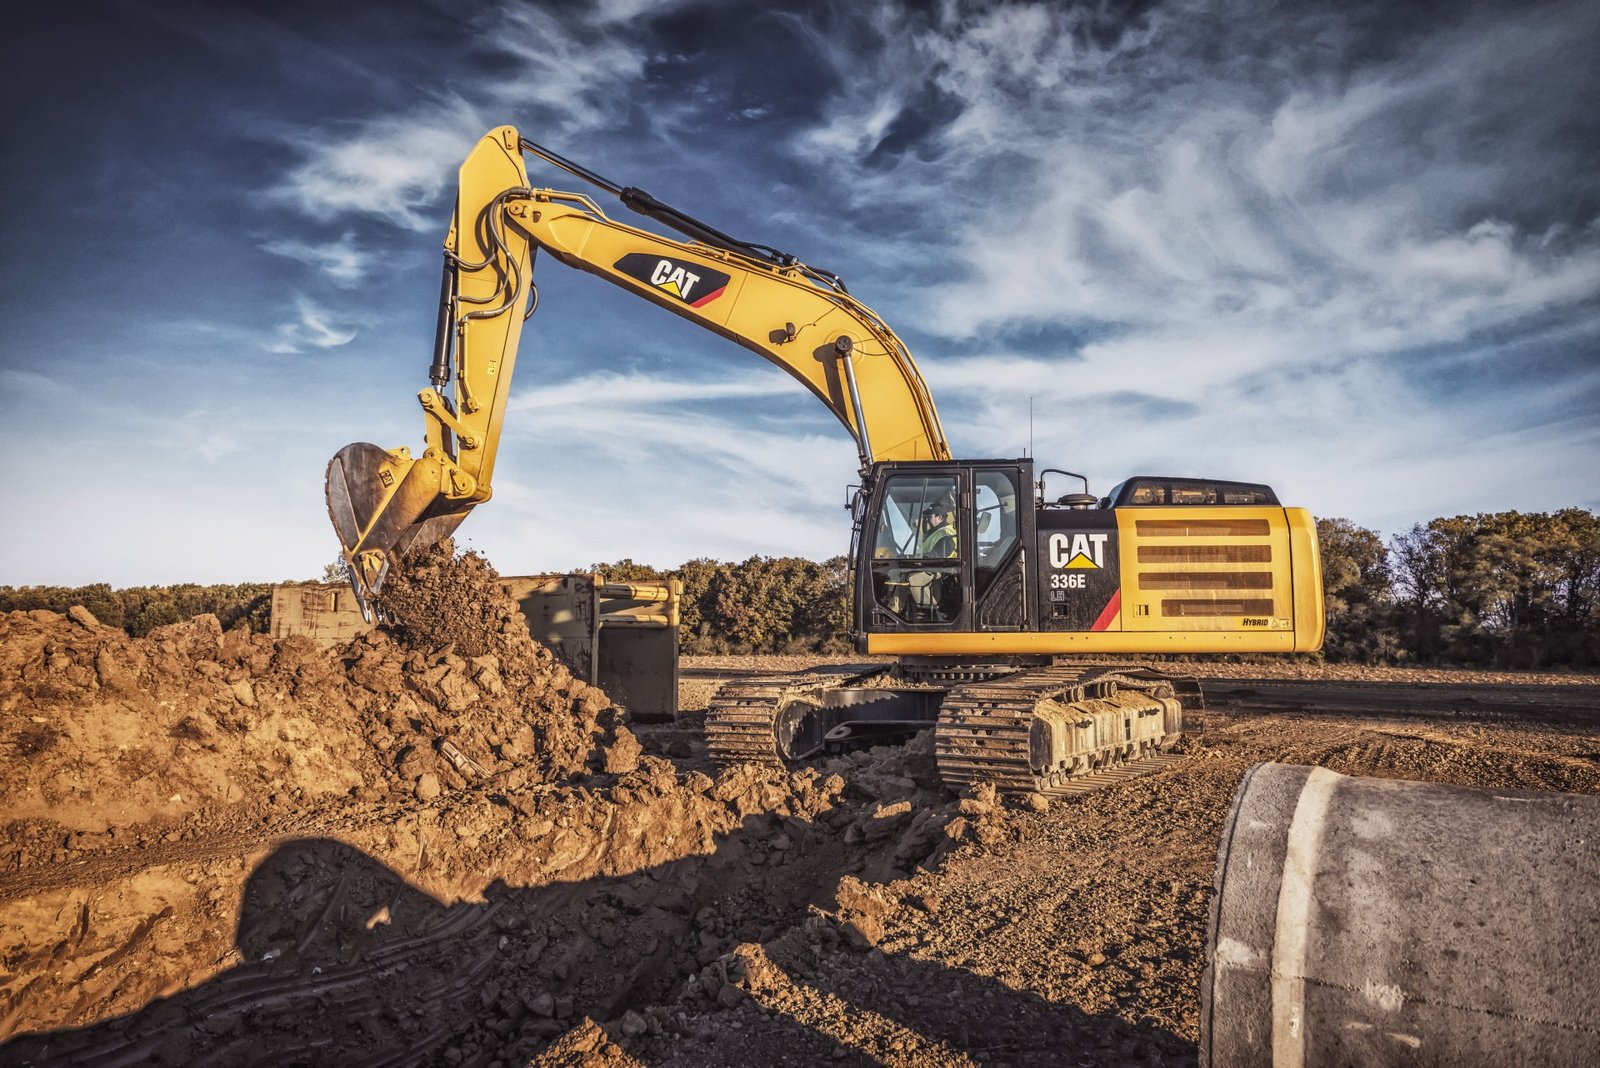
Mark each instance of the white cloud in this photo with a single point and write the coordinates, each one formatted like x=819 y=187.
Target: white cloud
x=573 y=70
x=567 y=73
x=393 y=167
x=341 y=260
x=314 y=326
x=1267 y=238
x=614 y=390
x=1150 y=181
x=664 y=469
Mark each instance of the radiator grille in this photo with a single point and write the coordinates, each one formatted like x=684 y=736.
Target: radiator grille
x=1233 y=607
x=1202 y=528
x=1205 y=580
x=1205 y=554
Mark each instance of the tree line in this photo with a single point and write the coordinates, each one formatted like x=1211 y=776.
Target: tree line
x=141 y=609
x=1502 y=589
x=783 y=604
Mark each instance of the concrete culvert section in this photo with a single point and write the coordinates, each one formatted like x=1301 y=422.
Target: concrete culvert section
x=1367 y=921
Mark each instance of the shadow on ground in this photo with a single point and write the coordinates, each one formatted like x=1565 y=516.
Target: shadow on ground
x=348 y=964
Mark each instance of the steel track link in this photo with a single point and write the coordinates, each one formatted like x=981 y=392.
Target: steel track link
x=741 y=721
x=984 y=729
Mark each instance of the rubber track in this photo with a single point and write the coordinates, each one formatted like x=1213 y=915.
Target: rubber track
x=983 y=730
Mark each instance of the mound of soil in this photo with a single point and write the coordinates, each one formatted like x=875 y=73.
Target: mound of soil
x=104 y=733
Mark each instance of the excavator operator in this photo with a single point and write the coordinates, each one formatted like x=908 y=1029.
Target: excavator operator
x=938 y=540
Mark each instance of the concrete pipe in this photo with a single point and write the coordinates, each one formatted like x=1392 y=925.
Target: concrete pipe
x=1376 y=922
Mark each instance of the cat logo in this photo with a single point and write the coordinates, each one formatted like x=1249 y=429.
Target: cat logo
x=1078 y=550
x=691 y=283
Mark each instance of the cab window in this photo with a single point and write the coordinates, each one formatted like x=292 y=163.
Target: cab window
x=994 y=501
x=910 y=507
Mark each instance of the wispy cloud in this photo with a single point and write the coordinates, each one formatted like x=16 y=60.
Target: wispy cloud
x=666 y=469
x=1254 y=229
x=572 y=71
x=392 y=167
x=314 y=326
x=342 y=260
x=618 y=390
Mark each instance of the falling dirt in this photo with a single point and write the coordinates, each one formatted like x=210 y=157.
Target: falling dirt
x=435 y=846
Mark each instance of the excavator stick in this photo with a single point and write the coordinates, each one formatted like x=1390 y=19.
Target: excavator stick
x=384 y=502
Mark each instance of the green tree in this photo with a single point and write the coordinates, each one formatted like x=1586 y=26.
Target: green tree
x=1510 y=589
x=625 y=570
x=696 y=607
x=1356 y=584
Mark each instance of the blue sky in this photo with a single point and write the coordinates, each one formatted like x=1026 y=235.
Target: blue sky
x=1350 y=250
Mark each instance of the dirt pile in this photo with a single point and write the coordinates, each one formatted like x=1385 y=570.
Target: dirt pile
x=104 y=733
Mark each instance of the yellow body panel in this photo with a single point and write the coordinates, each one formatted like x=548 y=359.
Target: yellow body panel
x=1223 y=565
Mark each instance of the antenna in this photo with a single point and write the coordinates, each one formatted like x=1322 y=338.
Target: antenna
x=1030 y=426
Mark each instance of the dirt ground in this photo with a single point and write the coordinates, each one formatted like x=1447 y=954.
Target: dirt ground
x=437 y=847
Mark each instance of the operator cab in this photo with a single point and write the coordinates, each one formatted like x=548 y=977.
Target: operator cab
x=935 y=539
x=975 y=546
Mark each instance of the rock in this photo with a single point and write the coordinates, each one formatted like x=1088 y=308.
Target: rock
x=82 y=616
x=1036 y=803
x=411 y=763
x=244 y=693
x=730 y=996
x=622 y=755
x=971 y=806
x=862 y=911
x=114 y=673
x=890 y=811
x=427 y=786
x=633 y=1024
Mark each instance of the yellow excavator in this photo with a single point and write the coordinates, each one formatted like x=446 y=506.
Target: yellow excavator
x=963 y=570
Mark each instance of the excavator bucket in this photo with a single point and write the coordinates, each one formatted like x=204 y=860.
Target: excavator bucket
x=383 y=503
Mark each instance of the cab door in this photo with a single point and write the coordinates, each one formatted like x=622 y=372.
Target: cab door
x=1002 y=523
x=915 y=569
